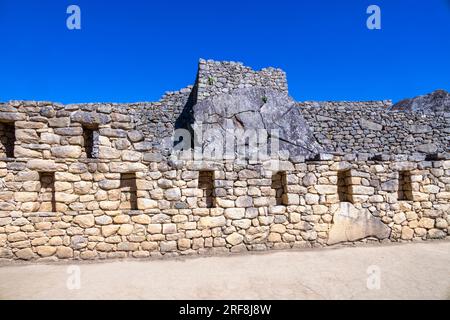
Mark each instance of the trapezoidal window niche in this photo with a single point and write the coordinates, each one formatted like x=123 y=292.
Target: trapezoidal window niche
x=7 y=139
x=128 y=192
x=404 y=186
x=47 y=199
x=279 y=187
x=343 y=184
x=206 y=184
x=90 y=141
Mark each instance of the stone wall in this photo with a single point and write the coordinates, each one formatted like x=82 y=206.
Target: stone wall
x=216 y=77
x=252 y=209
x=95 y=181
x=368 y=127
x=157 y=120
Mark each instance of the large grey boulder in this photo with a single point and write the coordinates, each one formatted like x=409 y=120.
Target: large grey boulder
x=352 y=224
x=250 y=112
x=437 y=101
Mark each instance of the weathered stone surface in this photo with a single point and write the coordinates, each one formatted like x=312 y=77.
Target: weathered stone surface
x=90 y=118
x=64 y=252
x=235 y=239
x=235 y=213
x=135 y=136
x=309 y=179
x=211 y=222
x=85 y=221
x=370 y=125
x=20 y=152
x=173 y=194
x=142 y=219
x=428 y=148
x=12 y=116
x=145 y=204
x=436 y=234
x=107 y=184
x=351 y=224
x=27 y=135
x=78 y=242
x=25 y=254
x=42 y=165
x=46 y=251
x=111 y=230
x=437 y=101
x=73 y=152
x=103 y=220
x=253 y=109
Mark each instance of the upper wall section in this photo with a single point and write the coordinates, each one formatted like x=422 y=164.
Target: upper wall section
x=42 y=130
x=216 y=77
x=420 y=125
x=370 y=128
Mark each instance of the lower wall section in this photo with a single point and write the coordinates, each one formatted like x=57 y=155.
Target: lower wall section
x=99 y=210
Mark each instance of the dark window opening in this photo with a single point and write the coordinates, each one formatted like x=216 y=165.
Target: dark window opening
x=128 y=188
x=432 y=157
x=206 y=184
x=404 y=186
x=90 y=140
x=279 y=186
x=343 y=186
x=47 y=192
x=7 y=139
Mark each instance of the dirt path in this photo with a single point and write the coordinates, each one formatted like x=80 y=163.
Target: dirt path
x=409 y=271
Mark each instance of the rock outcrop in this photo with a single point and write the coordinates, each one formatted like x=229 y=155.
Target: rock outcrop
x=437 y=101
x=252 y=113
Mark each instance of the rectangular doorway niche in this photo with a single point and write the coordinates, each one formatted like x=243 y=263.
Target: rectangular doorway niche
x=206 y=184
x=404 y=186
x=128 y=192
x=47 y=201
x=90 y=141
x=343 y=184
x=279 y=187
x=7 y=139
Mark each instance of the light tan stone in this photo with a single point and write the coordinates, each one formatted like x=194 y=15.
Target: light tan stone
x=85 y=221
x=46 y=251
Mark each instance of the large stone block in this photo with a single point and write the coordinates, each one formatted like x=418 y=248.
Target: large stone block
x=211 y=222
x=235 y=239
x=362 y=190
x=352 y=224
x=27 y=136
x=326 y=189
x=20 y=152
x=12 y=116
x=42 y=165
x=72 y=152
x=235 y=213
x=146 y=204
x=85 y=221
x=90 y=118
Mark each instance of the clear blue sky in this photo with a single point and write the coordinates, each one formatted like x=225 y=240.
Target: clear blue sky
x=135 y=50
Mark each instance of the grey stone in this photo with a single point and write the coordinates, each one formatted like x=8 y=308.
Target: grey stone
x=370 y=125
x=135 y=136
x=253 y=109
x=428 y=148
x=90 y=118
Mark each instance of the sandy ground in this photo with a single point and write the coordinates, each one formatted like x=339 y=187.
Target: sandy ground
x=407 y=271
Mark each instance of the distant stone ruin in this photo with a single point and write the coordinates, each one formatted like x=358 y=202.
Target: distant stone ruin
x=229 y=164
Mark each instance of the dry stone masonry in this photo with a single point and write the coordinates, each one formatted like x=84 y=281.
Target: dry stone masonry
x=103 y=181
